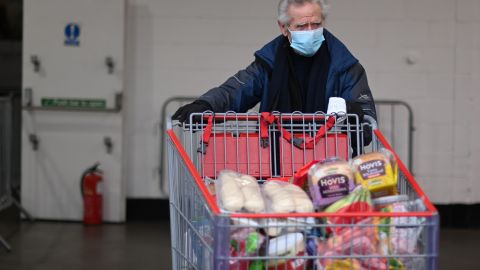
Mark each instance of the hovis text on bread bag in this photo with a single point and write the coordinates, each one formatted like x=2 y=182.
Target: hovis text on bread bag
x=377 y=171
x=330 y=181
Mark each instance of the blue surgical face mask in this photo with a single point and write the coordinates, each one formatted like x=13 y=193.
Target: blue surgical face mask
x=307 y=42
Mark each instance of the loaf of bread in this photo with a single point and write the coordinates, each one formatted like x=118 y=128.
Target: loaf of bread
x=285 y=198
x=377 y=171
x=239 y=192
x=281 y=200
x=330 y=181
x=231 y=195
x=271 y=188
x=302 y=202
x=254 y=202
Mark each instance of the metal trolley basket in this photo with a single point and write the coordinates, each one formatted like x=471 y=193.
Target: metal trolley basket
x=277 y=145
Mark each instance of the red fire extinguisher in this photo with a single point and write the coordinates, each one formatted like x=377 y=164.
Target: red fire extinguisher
x=90 y=186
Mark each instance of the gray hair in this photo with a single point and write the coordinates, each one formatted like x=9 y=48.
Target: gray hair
x=283 y=6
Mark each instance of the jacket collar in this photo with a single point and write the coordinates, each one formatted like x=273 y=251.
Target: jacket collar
x=341 y=58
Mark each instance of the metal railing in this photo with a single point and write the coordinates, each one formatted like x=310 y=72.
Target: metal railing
x=5 y=166
x=7 y=158
x=395 y=120
x=5 y=144
x=166 y=113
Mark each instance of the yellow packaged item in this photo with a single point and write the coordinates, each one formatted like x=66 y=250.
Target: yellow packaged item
x=345 y=264
x=378 y=172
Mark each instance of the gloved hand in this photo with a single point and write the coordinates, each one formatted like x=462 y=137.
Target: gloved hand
x=198 y=106
x=356 y=108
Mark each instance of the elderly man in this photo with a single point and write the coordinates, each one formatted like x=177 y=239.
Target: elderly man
x=297 y=71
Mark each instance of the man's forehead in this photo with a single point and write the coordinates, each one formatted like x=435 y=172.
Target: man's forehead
x=310 y=18
x=305 y=12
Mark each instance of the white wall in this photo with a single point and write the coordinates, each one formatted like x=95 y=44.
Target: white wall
x=182 y=48
x=72 y=141
x=186 y=47
x=443 y=37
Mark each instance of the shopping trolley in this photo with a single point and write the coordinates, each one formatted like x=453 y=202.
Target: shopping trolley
x=276 y=146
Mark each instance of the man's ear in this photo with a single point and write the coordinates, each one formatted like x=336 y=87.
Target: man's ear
x=283 y=28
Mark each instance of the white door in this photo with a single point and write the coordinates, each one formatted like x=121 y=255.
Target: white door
x=73 y=62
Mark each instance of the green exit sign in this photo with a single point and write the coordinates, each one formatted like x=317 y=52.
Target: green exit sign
x=74 y=103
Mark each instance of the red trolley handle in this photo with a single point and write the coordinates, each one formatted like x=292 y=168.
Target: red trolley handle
x=206 y=136
x=307 y=143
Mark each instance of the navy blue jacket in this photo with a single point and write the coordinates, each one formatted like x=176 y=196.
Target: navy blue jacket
x=346 y=79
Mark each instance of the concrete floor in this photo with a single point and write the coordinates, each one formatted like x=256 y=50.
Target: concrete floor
x=72 y=246
x=52 y=245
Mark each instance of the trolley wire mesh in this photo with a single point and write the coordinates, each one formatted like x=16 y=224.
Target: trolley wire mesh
x=5 y=152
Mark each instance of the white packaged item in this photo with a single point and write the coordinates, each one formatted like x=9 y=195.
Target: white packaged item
x=230 y=196
x=237 y=192
x=254 y=201
x=290 y=245
x=284 y=197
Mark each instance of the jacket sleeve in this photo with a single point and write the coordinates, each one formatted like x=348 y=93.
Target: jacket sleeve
x=240 y=92
x=355 y=88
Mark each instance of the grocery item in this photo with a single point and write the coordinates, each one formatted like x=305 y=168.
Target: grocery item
x=395 y=264
x=236 y=192
x=360 y=238
x=357 y=240
x=287 y=245
x=245 y=242
x=251 y=192
x=330 y=181
x=230 y=196
x=403 y=232
x=345 y=264
x=276 y=226
x=302 y=202
x=300 y=178
x=377 y=171
x=382 y=202
x=358 y=201
x=283 y=197
x=281 y=201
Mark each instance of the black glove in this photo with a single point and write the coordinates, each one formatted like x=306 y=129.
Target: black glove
x=198 y=106
x=355 y=108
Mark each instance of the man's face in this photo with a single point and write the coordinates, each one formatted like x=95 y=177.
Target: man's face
x=303 y=17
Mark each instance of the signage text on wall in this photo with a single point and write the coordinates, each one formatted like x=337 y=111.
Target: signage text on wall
x=74 y=103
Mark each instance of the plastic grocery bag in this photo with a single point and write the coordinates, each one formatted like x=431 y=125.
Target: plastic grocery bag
x=238 y=192
x=358 y=201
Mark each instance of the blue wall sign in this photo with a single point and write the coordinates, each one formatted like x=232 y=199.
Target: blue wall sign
x=72 y=35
